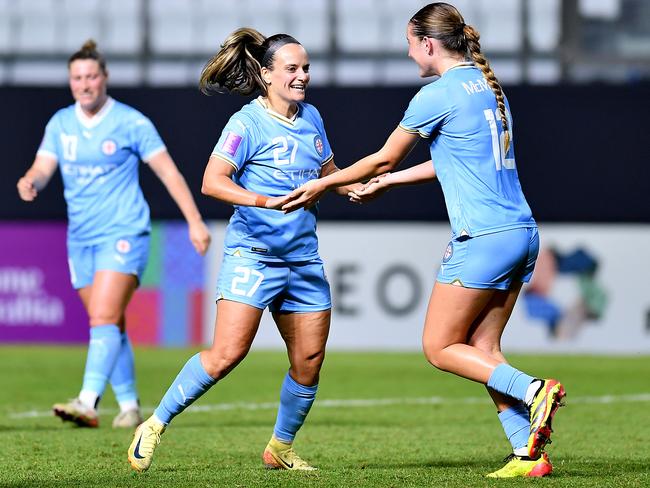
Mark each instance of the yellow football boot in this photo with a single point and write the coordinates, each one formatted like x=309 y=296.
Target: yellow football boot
x=145 y=441
x=280 y=455
x=545 y=404
x=521 y=466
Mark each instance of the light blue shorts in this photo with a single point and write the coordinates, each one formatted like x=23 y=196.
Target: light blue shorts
x=283 y=287
x=126 y=255
x=492 y=260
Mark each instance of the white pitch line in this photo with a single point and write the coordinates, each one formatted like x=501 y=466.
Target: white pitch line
x=361 y=403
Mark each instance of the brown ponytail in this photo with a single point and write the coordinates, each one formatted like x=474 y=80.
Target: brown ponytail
x=236 y=68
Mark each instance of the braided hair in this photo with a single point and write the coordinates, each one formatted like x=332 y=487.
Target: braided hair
x=444 y=22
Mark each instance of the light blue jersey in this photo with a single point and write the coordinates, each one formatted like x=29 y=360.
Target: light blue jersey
x=273 y=155
x=459 y=114
x=98 y=157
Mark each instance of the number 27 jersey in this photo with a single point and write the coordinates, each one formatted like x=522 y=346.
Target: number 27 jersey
x=273 y=155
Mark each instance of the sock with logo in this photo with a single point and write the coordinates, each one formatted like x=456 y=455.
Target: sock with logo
x=295 y=402
x=510 y=381
x=103 y=349
x=123 y=377
x=516 y=424
x=192 y=382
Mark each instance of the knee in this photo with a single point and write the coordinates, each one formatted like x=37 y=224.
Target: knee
x=219 y=362
x=435 y=359
x=433 y=353
x=103 y=316
x=306 y=368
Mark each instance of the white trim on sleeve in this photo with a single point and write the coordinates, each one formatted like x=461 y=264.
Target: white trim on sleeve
x=153 y=153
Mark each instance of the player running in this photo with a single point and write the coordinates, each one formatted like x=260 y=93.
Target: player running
x=464 y=115
x=272 y=145
x=97 y=143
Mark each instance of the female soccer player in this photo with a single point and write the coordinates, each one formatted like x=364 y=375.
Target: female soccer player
x=272 y=145
x=494 y=244
x=97 y=144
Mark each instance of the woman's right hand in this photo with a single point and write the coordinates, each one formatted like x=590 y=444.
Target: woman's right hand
x=374 y=188
x=26 y=189
x=276 y=203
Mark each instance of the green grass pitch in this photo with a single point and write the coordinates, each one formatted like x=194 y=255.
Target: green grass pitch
x=380 y=420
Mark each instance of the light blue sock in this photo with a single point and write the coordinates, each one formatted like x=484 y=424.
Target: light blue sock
x=192 y=382
x=510 y=381
x=295 y=402
x=103 y=349
x=516 y=424
x=123 y=376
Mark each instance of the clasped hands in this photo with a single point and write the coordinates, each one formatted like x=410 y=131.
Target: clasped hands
x=308 y=194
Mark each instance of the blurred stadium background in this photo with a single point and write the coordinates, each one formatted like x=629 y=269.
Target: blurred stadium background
x=576 y=73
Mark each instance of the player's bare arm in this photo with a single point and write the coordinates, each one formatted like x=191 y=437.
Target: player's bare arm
x=163 y=165
x=36 y=178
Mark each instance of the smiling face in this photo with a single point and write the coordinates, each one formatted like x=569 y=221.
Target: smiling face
x=88 y=84
x=287 y=82
x=422 y=51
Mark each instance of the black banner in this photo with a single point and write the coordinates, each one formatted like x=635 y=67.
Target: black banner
x=582 y=151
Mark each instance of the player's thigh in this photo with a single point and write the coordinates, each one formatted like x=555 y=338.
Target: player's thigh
x=85 y=293
x=304 y=333
x=234 y=330
x=302 y=310
x=451 y=312
x=488 y=327
x=111 y=293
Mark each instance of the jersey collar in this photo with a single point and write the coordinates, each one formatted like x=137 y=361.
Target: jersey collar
x=462 y=64
x=95 y=120
x=289 y=121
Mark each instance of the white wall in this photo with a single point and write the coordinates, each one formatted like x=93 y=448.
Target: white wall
x=381 y=275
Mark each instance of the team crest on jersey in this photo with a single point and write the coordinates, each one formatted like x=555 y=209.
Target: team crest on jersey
x=231 y=143
x=123 y=246
x=109 y=147
x=318 y=144
x=449 y=252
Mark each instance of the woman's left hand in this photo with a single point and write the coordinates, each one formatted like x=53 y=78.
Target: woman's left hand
x=200 y=236
x=304 y=197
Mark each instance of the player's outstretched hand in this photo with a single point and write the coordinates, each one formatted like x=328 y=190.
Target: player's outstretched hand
x=200 y=236
x=26 y=189
x=375 y=187
x=304 y=197
x=276 y=203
